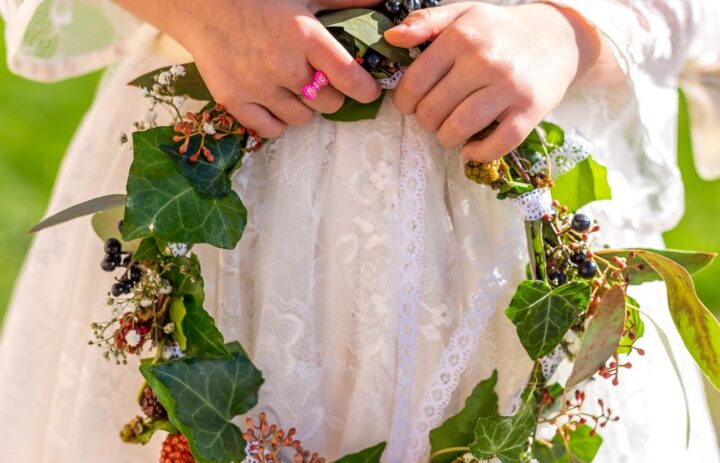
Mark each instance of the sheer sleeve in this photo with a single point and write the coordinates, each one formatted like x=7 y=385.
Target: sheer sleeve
x=55 y=39
x=662 y=44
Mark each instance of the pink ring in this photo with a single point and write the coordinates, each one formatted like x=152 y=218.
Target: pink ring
x=320 y=80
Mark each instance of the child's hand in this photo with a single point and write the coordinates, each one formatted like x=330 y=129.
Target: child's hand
x=487 y=63
x=256 y=56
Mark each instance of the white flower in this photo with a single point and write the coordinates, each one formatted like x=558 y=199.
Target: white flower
x=146 y=93
x=171 y=352
x=166 y=289
x=151 y=117
x=178 y=249
x=178 y=101
x=209 y=128
x=164 y=78
x=145 y=303
x=251 y=143
x=177 y=70
x=132 y=338
x=117 y=309
x=169 y=328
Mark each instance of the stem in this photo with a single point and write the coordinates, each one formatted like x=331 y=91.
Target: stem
x=449 y=450
x=536 y=249
x=515 y=160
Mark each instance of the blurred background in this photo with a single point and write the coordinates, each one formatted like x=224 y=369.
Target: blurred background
x=37 y=122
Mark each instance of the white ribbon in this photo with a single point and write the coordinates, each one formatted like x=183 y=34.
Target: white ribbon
x=534 y=205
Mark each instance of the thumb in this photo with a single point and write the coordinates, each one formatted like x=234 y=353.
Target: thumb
x=426 y=24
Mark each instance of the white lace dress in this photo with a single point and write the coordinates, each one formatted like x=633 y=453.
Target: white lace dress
x=371 y=282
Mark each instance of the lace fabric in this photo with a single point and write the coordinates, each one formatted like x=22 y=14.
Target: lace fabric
x=370 y=284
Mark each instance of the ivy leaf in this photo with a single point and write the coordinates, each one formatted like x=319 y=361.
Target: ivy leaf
x=210 y=178
x=367 y=26
x=369 y=455
x=458 y=430
x=164 y=204
x=147 y=250
x=586 y=182
x=546 y=137
x=185 y=276
x=203 y=338
x=601 y=337
x=692 y=261
x=105 y=224
x=698 y=328
x=505 y=437
x=80 y=210
x=543 y=315
x=190 y=85
x=353 y=110
x=582 y=444
x=633 y=324
x=203 y=396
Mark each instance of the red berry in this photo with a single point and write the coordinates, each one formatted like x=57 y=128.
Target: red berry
x=175 y=449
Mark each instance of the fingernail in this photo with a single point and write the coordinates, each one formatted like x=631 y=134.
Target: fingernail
x=400 y=27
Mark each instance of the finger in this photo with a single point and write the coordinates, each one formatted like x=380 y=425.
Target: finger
x=448 y=94
x=475 y=113
x=287 y=107
x=257 y=119
x=345 y=74
x=328 y=99
x=422 y=75
x=514 y=127
x=423 y=25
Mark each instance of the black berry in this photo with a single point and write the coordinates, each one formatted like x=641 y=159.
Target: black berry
x=557 y=278
x=127 y=260
x=581 y=223
x=578 y=257
x=127 y=286
x=373 y=60
x=135 y=274
x=587 y=269
x=108 y=264
x=393 y=6
x=113 y=247
x=117 y=289
x=431 y=3
x=411 y=5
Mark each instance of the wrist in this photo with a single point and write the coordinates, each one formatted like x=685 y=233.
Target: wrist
x=587 y=39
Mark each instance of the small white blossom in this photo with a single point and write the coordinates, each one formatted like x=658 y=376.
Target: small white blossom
x=164 y=78
x=117 y=309
x=178 y=101
x=146 y=93
x=172 y=352
x=151 y=117
x=177 y=70
x=169 y=328
x=251 y=143
x=178 y=249
x=133 y=338
x=209 y=128
x=145 y=303
x=166 y=289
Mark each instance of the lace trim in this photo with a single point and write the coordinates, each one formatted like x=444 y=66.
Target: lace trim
x=411 y=232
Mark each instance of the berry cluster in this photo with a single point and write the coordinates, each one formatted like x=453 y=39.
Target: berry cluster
x=397 y=10
x=114 y=256
x=151 y=406
x=567 y=253
x=175 y=449
x=266 y=441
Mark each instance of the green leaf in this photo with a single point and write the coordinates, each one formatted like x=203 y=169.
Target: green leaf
x=547 y=137
x=210 y=178
x=668 y=351
x=505 y=437
x=177 y=316
x=147 y=250
x=692 y=261
x=156 y=426
x=698 y=328
x=369 y=455
x=543 y=315
x=185 y=276
x=583 y=447
x=601 y=337
x=553 y=134
x=367 y=26
x=203 y=396
x=191 y=84
x=353 y=110
x=80 y=210
x=514 y=188
x=164 y=204
x=633 y=324
x=586 y=182
x=458 y=430
x=105 y=224
x=203 y=338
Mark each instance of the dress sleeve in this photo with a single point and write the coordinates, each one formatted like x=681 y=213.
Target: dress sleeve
x=663 y=44
x=54 y=39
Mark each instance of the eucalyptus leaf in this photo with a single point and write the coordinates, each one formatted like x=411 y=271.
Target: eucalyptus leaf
x=80 y=210
x=164 y=204
x=191 y=84
x=584 y=183
x=601 y=337
x=698 y=328
x=369 y=455
x=353 y=110
x=458 y=430
x=368 y=27
x=505 y=437
x=542 y=315
x=203 y=396
x=692 y=261
x=105 y=224
x=210 y=178
x=583 y=446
